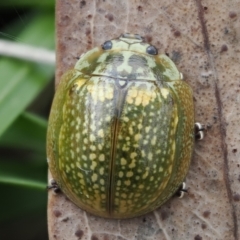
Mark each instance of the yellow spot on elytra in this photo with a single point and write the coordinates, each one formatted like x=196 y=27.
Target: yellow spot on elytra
x=129 y=174
x=82 y=182
x=123 y=161
x=120 y=174
x=72 y=154
x=92 y=156
x=145 y=142
x=147 y=129
x=145 y=175
x=133 y=155
x=93 y=148
x=129 y=99
x=124 y=195
x=101 y=171
x=161 y=169
x=93 y=127
x=130 y=130
x=132 y=164
x=118 y=183
x=164 y=92
x=145 y=100
x=133 y=93
x=127 y=182
x=94 y=164
x=92 y=138
x=141 y=186
x=103 y=196
x=143 y=153
x=138 y=101
x=154 y=140
x=101 y=133
x=108 y=118
x=102 y=182
x=137 y=137
x=109 y=94
x=80 y=175
x=77 y=136
x=101 y=157
x=80 y=83
x=150 y=156
x=101 y=97
x=125 y=148
x=90 y=88
x=94 y=177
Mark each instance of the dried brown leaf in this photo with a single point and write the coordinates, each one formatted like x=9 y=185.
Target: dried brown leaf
x=203 y=38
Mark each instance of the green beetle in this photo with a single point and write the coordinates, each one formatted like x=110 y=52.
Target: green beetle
x=121 y=129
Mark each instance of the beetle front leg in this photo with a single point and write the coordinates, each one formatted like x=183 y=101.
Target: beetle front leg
x=53 y=185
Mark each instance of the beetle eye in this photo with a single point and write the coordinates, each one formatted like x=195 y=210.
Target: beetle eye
x=107 y=45
x=152 y=50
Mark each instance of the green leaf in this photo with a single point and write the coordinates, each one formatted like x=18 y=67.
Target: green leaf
x=27 y=132
x=28 y=3
x=40 y=30
x=18 y=202
x=27 y=183
x=22 y=81
x=23 y=166
x=23 y=184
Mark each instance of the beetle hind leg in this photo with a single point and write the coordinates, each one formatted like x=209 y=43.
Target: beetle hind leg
x=199 y=131
x=182 y=190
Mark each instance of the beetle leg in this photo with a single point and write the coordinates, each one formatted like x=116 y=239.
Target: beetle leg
x=199 y=134
x=53 y=185
x=79 y=57
x=182 y=190
x=181 y=76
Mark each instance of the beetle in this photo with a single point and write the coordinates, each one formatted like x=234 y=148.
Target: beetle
x=121 y=129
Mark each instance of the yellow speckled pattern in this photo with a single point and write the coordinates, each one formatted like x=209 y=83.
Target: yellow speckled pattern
x=121 y=129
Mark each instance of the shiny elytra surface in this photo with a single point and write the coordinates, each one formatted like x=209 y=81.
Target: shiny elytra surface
x=121 y=130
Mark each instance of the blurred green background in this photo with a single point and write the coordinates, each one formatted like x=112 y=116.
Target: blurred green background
x=26 y=91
